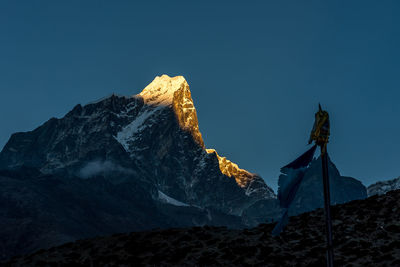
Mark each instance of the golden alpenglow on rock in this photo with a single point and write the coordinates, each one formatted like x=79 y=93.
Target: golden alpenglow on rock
x=174 y=92
x=227 y=167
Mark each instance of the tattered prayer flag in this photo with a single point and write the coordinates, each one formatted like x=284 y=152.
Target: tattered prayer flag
x=290 y=183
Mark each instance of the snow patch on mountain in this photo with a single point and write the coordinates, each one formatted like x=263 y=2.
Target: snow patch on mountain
x=169 y=200
x=128 y=134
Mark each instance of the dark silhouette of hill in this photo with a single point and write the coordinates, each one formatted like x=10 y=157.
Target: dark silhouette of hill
x=366 y=233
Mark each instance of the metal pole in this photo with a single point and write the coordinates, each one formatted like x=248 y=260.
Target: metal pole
x=327 y=199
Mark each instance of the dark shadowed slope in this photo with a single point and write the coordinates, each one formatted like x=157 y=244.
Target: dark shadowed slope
x=366 y=233
x=40 y=211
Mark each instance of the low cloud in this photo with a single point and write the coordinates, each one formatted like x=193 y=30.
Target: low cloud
x=101 y=167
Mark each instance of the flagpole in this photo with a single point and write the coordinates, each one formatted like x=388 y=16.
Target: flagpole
x=327 y=200
x=320 y=134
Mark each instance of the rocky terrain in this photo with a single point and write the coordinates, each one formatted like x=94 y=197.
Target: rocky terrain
x=366 y=233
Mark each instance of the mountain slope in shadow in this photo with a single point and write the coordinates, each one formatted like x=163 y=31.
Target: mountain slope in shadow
x=366 y=233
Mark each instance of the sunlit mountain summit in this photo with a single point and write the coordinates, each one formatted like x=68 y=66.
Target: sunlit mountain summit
x=153 y=135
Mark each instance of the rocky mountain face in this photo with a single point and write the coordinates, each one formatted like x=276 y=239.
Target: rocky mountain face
x=365 y=233
x=119 y=164
x=153 y=137
x=383 y=187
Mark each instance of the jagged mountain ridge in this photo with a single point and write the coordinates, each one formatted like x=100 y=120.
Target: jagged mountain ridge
x=153 y=136
x=382 y=187
x=118 y=164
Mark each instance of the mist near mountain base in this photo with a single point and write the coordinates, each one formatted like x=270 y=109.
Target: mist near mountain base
x=99 y=167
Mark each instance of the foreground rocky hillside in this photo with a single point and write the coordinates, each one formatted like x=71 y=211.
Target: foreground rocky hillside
x=366 y=233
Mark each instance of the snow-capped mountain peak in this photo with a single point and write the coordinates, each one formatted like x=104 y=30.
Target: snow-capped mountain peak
x=152 y=136
x=174 y=92
x=161 y=90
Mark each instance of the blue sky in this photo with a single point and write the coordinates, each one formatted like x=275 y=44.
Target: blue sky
x=257 y=70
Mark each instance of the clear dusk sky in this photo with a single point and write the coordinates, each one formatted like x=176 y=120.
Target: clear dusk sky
x=256 y=69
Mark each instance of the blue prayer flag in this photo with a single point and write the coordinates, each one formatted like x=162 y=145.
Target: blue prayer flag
x=293 y=174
